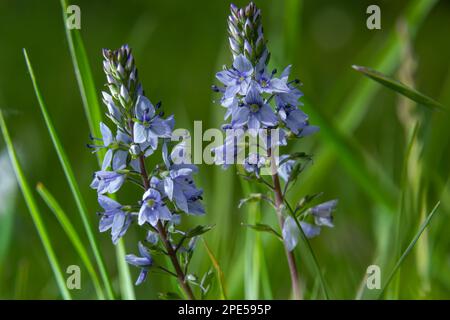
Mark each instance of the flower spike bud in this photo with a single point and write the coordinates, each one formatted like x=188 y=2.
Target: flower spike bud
x=246 y=34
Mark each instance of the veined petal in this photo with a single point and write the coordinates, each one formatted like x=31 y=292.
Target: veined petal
x=144 y=108
x=106 y=134
x=242 y=64
x=139 y=133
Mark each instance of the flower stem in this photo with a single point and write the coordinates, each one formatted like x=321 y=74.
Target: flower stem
x=163 y=235
x=278 y=204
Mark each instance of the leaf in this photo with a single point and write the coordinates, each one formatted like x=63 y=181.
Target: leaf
x=220 y=275
x=72 y=235
x=399 y=87
x=83 y=75
x=409 y=249
x=70 y=176
x=34 y=211
x=263 y=228
x=126 y=284
x=198 y=230
x=254 y=197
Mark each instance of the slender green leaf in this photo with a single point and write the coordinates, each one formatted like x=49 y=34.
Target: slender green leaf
x=34 y=211
x=399 y=87
x=220 y=275
x=83 y=74
x=72 y=235
x=126 y=284
x=70 y=176
x=263 y=228
x=408 y=249
x=93 y=114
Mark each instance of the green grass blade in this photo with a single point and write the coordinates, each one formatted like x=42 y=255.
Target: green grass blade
x=408 y=249
x=126 y=284
x=399 y=87
x=34 y=211
x=220 y=275
x=93 y=114
x=70 y=176
x=72 y=235
x=84 y=75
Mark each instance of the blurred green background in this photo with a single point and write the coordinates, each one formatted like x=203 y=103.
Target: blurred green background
x=179 y=46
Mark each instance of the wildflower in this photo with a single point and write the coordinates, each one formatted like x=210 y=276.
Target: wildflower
x=255 y=113
x=322 y=213
x=285 y=168
x=149 y=127
x=291 y=232
x=267 y=83
x=153 y=208
x=107 y=181
x=254 y=163
x=144 y=262
x=113 y=218
x=237 y=79
x=117 y=156
x=140 y=126
x=180 y=187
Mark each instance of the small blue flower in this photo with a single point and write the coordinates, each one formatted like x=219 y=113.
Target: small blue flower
x=117 y=156
x=233 y=147
x=285 y=169
x=255 y=113
x=179 y=186
x=149 y=126
x=144 y=262
x=152 y=237
x=113 y=218
x=254 y=162
x=113 y=111
x=291 y=232
x=107 y=181
x=237 y=79
x=153 y=208
x=267 y=83
x=323 y=213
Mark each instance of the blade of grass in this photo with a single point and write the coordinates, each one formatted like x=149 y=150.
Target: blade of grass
x=34 y=211
x=93 y=114
x=72 y=235
x=70 y=176
x=399 y=87
x=126 y=284
x=83 y=75
x=408 y=249
x=220 y=275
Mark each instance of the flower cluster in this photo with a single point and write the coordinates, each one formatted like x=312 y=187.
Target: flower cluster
x=262 y=104
x=168 y=190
